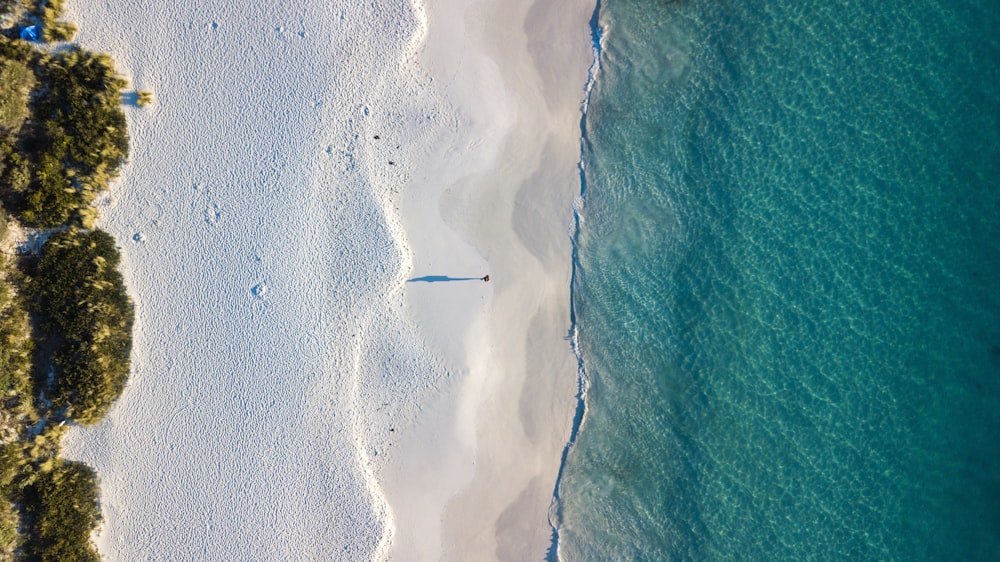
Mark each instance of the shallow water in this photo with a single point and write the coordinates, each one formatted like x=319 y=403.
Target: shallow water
x=786 y=284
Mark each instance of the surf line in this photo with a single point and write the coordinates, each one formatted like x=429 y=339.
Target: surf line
x=583 y=382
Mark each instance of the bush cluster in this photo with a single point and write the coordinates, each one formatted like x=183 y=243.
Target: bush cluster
x=62 y=508
x=79 y=140
x=15 y=339
x=52 y=29
x=62 y=138
x=87 y=316
x=16 y=392
x=16 y=82
x=15 y=386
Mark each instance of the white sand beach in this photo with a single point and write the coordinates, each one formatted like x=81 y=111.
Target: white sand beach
x=305 y=384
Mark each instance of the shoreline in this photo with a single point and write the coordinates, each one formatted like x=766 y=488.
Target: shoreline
x=583 y=382
x=517 y=74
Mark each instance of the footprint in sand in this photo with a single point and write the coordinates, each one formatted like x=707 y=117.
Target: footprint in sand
x=259 y=290
x=344 y=157
x=212 y=214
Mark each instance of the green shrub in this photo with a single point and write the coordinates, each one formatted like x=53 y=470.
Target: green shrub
x=10 y=465
x=52 y=199
x=17 y=50
x=143 y=98
x=8 y=530
x=58 y=31
x=16 y=81
x=81 y=140
x=17 y=173
x=15 y=339
x=52 y=29
x=10 y=462
x=62 y=505
x=6 y=149
x=88 y=320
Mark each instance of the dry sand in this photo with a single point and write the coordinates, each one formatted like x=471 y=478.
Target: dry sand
x=518 y=72
x=294 y=396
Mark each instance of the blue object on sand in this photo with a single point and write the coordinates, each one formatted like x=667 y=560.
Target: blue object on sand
x=29 y=33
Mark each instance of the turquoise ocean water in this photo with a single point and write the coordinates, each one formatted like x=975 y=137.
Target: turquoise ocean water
x=787 y=290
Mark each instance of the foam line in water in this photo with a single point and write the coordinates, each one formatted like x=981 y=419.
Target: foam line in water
x=583 y=382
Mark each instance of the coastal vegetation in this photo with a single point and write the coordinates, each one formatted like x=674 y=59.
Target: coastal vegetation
x=86 y=319
x=16 y=82
x=143 y=98
x=16 y=348
x=15 y=335
x=52 y=29
x=62 y=505
x=74 y=145
x=65 y=317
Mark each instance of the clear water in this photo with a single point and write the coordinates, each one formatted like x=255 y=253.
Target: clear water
x=788 y=284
